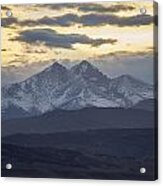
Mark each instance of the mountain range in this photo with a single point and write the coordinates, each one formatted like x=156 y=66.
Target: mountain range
x=82 y=86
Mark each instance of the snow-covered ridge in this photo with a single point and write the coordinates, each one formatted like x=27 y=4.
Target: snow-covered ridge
x=82 y=86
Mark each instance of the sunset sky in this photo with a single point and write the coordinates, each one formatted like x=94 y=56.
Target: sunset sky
x=36 y=33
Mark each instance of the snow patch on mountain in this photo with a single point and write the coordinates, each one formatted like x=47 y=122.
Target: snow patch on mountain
x=82 y=86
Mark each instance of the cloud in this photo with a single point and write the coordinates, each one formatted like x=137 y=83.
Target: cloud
x=5 y=8
x=99 y=42
x=7 y=22
x=89 y=7
x=120 y=53
x=97 y=20
x=92 y=20
x=65 y=20
x=102 y=9
x=38 y=51
x=138 y=64
x=51 y=38
x=57 y=6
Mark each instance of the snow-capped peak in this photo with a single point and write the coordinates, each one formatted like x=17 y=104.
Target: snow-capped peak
x=56 y=67
x=83 y=85
x=83 y=67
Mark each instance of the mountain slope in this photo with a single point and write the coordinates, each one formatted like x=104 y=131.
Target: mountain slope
x=130 y=90
x=89 y=87
x=37 y=92
x=149 y=105
x=77 y=120
x=82 y=86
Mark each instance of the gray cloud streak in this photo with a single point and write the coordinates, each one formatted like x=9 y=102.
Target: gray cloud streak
x=89 y=7
x=101 y=9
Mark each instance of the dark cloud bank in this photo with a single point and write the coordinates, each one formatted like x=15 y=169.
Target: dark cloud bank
x=7 y=22
x=92 y=20
x=51 y=38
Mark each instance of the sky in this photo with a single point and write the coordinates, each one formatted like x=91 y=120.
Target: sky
x=73 y=32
